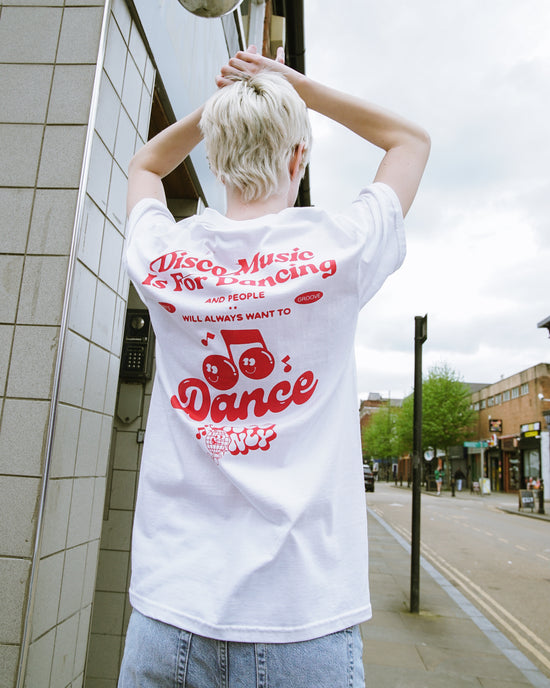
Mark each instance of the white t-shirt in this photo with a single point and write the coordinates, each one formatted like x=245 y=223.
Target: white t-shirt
x=250 y=522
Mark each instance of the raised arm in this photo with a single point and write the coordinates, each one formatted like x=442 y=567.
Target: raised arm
x=407 y=145
x=159 y=157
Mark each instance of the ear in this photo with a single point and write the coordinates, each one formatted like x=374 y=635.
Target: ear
x=295 y=163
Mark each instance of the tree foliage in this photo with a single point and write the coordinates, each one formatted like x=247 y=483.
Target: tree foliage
x=447 y=418
x=404 y=427
x=379 y=437
x=446 y=408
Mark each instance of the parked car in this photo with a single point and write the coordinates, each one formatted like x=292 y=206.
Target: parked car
x=369 y=478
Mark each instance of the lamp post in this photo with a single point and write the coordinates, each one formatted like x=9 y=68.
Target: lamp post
x=420 y=336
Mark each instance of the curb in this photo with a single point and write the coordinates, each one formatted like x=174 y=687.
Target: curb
x=516 y=512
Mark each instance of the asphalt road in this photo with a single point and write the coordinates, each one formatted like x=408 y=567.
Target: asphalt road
x=500 y=561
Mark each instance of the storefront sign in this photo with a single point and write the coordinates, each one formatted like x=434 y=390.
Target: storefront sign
x=495 y=425
x=530 y=430
x=476 y=445
x=493 y=441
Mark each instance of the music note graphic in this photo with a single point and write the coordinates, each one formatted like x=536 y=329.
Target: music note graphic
x=255 y=362
x=287 y=367
x=209 y=335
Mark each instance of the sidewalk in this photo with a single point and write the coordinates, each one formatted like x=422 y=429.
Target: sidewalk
x=450 y=644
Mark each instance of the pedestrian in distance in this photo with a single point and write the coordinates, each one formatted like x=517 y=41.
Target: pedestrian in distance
x=249 y=552
x=459 y=478
x=439 y=474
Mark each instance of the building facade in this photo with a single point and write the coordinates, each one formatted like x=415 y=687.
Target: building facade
x=512 y=440
x=84 y=84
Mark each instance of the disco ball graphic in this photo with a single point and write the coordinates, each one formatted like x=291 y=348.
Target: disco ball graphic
x=217 y=442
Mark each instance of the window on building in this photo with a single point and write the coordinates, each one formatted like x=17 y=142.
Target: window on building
x=498 y=399
x=506 y=395
x=525 y=388
x=483 y=403
x=476 y=406
x=515 y=392
x=490 y=401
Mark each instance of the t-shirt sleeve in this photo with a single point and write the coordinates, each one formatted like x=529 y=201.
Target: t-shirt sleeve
x=148 y=224
x=149 y=216
x=377 y=220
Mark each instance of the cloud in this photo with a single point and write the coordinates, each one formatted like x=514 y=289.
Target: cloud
x=476 y=76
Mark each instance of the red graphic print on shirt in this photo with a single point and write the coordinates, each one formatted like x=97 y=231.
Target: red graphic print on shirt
x=215 y=400
x=221 y=440
x=255 y=362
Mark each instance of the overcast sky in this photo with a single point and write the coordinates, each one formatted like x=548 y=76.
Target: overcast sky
x=476 y=75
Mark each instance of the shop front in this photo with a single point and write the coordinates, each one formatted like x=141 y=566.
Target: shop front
x=477 y=468
x=511 y=463
x=458 y=466
x=530 y=454
x=495 y=469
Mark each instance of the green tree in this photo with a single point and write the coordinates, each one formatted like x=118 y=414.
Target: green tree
x=447 y=416
x=379 y=437
x=404 y=427
x=446 y=408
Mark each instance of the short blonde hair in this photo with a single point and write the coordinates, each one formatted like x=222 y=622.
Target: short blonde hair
x=251 y=129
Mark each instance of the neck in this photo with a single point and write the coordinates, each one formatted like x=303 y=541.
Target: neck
x=238 y=209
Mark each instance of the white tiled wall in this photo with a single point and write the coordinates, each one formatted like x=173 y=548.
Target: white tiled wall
x=53 y=232
x=111 y=609
x=48 y=55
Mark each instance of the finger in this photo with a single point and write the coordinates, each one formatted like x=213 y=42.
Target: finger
x=247 y=56
x=252 y=49
x=239 y=67
x=221 y=81
x=280 y=55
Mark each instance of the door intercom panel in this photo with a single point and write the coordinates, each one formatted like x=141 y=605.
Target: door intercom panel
x=138 y=347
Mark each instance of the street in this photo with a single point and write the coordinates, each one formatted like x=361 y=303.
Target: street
x=500 y=561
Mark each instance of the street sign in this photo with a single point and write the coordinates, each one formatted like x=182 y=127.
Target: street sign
x=526 y=499
x=476 y=445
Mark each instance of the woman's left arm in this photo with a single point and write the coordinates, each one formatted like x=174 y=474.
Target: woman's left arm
x=159 y=156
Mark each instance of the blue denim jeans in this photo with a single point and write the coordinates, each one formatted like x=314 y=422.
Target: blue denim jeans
x=160 y=656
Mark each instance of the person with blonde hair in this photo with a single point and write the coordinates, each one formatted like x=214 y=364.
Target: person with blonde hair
x=249 y=552
x=251 y=131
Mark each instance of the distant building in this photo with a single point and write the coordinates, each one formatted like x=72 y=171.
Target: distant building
x=512 y=440
x=372 y=404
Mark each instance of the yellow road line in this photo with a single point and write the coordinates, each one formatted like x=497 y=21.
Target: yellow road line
x=489 y=604
x=494 y=609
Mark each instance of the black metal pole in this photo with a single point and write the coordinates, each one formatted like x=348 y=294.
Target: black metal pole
x=420 y=336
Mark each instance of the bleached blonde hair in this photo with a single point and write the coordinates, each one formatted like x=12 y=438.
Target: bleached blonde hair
x=251 y=128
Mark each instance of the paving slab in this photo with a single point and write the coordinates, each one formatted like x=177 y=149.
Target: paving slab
x=449 y=644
